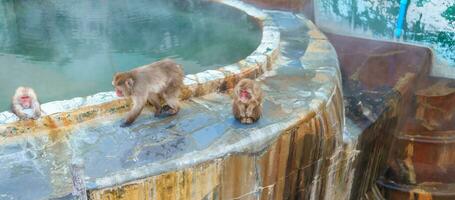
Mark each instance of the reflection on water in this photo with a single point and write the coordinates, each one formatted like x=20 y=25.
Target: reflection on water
x=71 y=48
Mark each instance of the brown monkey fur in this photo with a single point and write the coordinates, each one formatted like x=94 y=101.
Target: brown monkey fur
x=25 y=98
x=247 y=101
x=149 y=83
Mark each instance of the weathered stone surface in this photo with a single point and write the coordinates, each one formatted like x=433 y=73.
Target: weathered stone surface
x=377 y=104
x=290 y=165
x=201 y=153
x=434 y=191
x=421 y=160
x=396 y=149
x=197 y=183
x=426 y=159
x=436 y=105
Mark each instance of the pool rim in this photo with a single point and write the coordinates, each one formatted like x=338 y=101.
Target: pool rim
x=199 y=84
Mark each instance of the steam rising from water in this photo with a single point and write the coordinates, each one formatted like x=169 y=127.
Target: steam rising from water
x=72 y=48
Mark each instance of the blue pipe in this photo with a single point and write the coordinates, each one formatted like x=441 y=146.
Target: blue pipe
x=400 y=22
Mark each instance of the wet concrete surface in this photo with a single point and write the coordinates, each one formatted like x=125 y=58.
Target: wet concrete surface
x=299 y=86
x=302 y=99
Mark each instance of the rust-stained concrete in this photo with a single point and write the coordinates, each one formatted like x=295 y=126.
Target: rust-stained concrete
x=421 y=162
x=289 y=154
x=403 y=119
x=300 y=149
x=201 y=153
x=379 y=79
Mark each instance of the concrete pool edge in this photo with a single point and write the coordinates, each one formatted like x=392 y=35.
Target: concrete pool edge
x=291 y=151
x=212 y=172
x=80 y=109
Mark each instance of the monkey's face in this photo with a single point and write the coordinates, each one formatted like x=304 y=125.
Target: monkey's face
x=122 y=84
x=245 y=95
x=121 y=90
x=25 y=101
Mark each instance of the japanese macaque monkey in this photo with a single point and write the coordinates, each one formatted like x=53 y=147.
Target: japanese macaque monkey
x=150 y=83
x=247 y=102
x=25 y=104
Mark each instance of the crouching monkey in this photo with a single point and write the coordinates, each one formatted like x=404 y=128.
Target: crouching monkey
x=25 y=104
x=247 y=101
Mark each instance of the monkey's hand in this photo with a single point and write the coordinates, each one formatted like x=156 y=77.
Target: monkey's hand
x=170 y=110
x=243 y=120
x=22 y=116
x=157 y=113
x=249 y=110
x=243 y=114
x=36 y=115
x=166 y=109
x=125 y=124
x=249 y=113
x=248 y=121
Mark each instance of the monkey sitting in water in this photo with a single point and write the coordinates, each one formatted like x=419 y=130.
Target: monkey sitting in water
x=247 y=102
x=25 y=104
x=149 y=83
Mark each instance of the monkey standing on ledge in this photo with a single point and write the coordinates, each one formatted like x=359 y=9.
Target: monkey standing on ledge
x=25 y=104
x=151 y=82
x=247 y=102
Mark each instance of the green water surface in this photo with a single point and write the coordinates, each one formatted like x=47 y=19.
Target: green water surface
x=70 y=48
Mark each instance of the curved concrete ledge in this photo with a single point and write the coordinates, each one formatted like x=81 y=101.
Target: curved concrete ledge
x=195 y=84
x=203 y=153
x=304 y=117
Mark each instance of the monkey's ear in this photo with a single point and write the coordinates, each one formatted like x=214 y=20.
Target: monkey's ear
x=129 y=83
